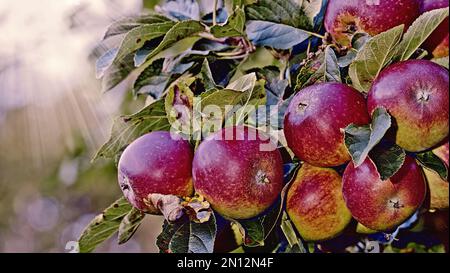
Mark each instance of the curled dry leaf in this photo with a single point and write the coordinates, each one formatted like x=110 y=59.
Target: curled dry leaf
x=198 y=209
x=173 y=207
x=169 y=205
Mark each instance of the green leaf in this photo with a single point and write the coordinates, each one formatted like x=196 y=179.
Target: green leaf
x=388 y=160
x=279 y=36
x=261 y=58
x=128 y=128
x=276 y=103
x=104 y=225
x=360 y=140
x=173 y=237
x=324 y=68
x=179 y=31
x=295 y=244
x=285 y=12
x=202 y=236
x=256 y=97
x=311 y=8
x=414 y=247
x=123 y=63
x=255 y=231
x=117 y=72
x=150 y=81
x=105 y=61
x=245 y=83
x=373 y=57
x=206 y=76
x=233 y=27
x=186 y=236
x=136 y=38
x=442 y=61
x=244 y=92
x=129 y=225
x=358 y=41
x=230 y=5
x=224 y=97
x=432 y=162
x=124 y=25
x=419 y=31
x=179 y=104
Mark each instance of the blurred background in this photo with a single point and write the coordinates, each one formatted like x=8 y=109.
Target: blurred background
x=53 y=117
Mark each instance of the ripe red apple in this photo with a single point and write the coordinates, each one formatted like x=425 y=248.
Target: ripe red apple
x=345 y=18
x=383 y=205
x=415 y=93
x=315 y=117
x=437 y=43
x=315 y=203
x=438 y=187
x=236 y=173
x=155 y=163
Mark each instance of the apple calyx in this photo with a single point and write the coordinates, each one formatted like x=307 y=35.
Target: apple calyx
x=396 y=204
x=423 y=96
x=302 y=107
x=261 y=177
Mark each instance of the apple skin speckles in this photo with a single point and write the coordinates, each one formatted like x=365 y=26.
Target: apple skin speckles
x=315 y=118
x=155 y=163
x=383 y=205
x=235 y=175
x=315 y=203
x=344 y=18
x=415 y=93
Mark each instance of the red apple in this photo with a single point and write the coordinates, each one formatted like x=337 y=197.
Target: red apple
x=236 y=173
x=315 y=203
x=315 y=117
x=438 y=187
x=415 y=93
x=155 y=163
x=383 y=205
x=437 y=43
x=345 y=18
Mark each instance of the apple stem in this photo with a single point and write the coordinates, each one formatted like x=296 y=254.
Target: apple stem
x=315 y=34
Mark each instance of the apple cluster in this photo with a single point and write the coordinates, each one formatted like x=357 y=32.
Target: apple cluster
x=416 y=94
x=241 y=181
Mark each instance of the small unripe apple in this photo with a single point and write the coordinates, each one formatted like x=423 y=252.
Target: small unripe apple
x=438 y=187
x=345 y=18
x=416 y=95
x=437 y=42
x=383 y=205
x=315 y=118
x=239 y=171
x=315 y=203
x=155 y=163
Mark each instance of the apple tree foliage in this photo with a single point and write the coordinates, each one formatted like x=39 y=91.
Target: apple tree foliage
x=257 y=52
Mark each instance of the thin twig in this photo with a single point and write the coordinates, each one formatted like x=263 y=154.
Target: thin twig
x=211 y=37
x=215 y=13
